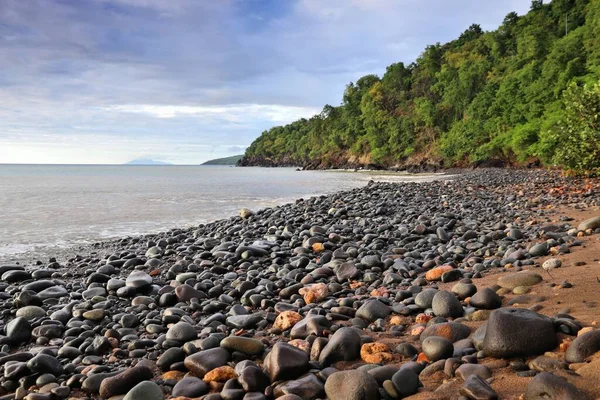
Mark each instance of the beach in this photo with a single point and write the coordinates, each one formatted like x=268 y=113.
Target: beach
x=476 y=285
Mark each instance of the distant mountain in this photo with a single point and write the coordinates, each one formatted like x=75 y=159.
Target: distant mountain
x=224 y=161
x=146 y=161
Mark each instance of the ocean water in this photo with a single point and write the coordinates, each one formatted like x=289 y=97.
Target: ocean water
x=48 y=207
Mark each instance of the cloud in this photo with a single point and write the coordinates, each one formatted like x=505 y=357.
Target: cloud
x=235 y=113
x=98 y=80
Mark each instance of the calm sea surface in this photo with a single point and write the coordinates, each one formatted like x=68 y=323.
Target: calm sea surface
x=45 y=207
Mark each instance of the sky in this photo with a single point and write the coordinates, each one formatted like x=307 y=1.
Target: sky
x=184 y=81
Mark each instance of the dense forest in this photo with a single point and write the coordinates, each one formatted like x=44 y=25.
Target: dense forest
x=526 y=93
x=224 y=161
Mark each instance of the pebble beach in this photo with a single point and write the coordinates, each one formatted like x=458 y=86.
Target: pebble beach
x=482 y=285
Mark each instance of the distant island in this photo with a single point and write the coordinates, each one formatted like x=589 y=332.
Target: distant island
x=233 y=160
x=146 y=161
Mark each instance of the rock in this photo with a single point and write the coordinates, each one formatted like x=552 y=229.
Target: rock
x=591 y=223
x=383 y=373
x=373 y=310
x=519 y=279
x=545 y=363
x=146 y=390
x=252 y=378
x=186 y=293
x=475 y=388
x=453 y=331
x=170 y=357
x=314 y=293
x=242 y=344
x=285 y=362
x=31 y=312
x=306 y=387
x=138 y=279
x=551 y=264
x=463 y=290
x=344 y=345
x=375 y=353
x=203 y=361
x=425 y=298
x=311 y=325
x=406 y=382
x=583 y=347
x=246 y=213
x=486 y=299
x=219 y=374
x=539 y=250
x=351 y=385
x=549 y=386
x=445 y=304
x=346 y=271
x=94 y=315
x=190 y=386
x=124 y=381
x=18 y=330
x=513 y=332
x=53 y=292
x=286 y=320
x=244 y=321
x=435 y=274
x=437 y=348
x=466 y=370
x=45 y=364
x=182 y=332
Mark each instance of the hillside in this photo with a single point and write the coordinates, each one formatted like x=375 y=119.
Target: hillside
x=233 y=160
x=525 y=93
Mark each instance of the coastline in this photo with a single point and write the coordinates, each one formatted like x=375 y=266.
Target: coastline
x=323 y=270
x=66 y=249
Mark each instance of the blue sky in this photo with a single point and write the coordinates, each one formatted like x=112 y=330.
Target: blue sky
x=182 y=81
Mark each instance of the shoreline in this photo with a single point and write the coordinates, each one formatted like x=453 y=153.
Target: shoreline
x=64 y=249
x=334 y=284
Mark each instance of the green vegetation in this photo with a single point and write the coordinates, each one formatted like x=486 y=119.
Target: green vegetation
x=525 y=92
x=224 y=161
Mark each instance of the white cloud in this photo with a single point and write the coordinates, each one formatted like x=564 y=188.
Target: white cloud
x=236 y=113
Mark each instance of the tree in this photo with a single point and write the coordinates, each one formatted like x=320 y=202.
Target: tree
x=578 y=134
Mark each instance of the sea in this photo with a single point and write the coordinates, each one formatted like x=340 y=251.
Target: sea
x=46 y=208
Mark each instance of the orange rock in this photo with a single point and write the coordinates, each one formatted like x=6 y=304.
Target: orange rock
x=301 y=344
x=584 y=330
x=435 y=274
x=397 y=320
x=176 y=375
x=87 y=369
x=154 y=272
x=416 y=331
x=422 y=358
x=220 y=374
x=375 y=353
x=423 y=318
x=318 y=247
x=379 y=292
x=356 y=284
x=286 y=320
x=564 y=346
x=314 y=293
